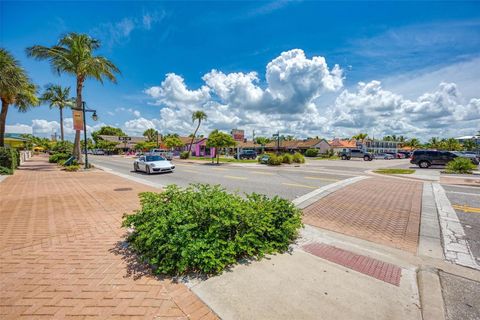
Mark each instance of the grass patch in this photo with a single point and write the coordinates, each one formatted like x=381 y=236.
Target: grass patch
x=394 y=171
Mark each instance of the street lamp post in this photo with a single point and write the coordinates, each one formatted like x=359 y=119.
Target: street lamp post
x=94 y=117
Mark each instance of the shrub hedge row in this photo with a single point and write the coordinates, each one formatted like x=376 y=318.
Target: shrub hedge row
x=203 y=228
x=9 y=159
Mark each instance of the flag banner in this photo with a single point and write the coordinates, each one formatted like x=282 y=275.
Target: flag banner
x=77 y=120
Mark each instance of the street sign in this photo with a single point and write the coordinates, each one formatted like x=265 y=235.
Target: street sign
x=124 y=138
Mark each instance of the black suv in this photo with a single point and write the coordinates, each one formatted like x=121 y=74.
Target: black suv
x=426 y=158
x=246 y=154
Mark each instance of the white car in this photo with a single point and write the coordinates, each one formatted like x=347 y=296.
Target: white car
x=152 y=163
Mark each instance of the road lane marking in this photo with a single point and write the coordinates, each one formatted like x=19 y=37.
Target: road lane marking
x=235 y=177
x=464 y=193
x=320 y=178
x=220 y=169
x=187 y=170
x=265 y=173
x=466 y=208
x=298 y=185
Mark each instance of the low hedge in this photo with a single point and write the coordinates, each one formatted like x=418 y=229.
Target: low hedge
x=184 y=155
x=311 y=152
x=287 y=158
x=58 y=157
x=298 y=158
x=202 y=228
x=5 y=171
x=460 y=165
x=9 y=158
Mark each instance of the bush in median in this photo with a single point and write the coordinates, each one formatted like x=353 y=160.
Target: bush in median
x=460 y=165
x=205 y=229
x=184 y=155
x=58 y=157
x=298 y=158
x=311 y=152
x=287 y=158
x=275 y=160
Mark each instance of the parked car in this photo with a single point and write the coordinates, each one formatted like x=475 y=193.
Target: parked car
x=426 y=158
x=152 y=164
x=406 y=153
x=264 y=159
x=246 y=154
x=98 y=152
x=385 y=156
x=355 y=153
x=162 y=153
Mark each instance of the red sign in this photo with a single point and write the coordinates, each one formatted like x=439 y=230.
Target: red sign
x=238 y=135
x=77 y=120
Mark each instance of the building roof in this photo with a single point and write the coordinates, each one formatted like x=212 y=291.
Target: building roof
x=338 y=143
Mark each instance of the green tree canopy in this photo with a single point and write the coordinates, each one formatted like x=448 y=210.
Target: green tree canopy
x=218 y=140
x=107 y=131
x=15 y=89
x=74 y=54
x=173 y=142
x=58 y=97
x=151 y=135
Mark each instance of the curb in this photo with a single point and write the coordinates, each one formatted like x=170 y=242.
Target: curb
x=430 y=239
x=431 y=298
x=317 y=194
x=2 y=178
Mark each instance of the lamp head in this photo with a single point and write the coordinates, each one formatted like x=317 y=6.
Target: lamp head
x=94 y=116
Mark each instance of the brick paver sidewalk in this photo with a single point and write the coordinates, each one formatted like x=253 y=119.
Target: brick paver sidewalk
x=386 y=211
x=62 y=255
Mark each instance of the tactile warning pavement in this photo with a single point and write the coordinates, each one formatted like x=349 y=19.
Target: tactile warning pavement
x=385 y=211
x=372 y=267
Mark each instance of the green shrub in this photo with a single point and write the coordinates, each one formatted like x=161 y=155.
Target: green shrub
x=287 y=158
x=275 y=160
x=5 y=171
x=205 y=229
x=298 y=158
x=184 y=155
x=311 y=152
x=71 y=168
x=58 y=157
x=9 y=158
x=65 y=147
x=460 y=165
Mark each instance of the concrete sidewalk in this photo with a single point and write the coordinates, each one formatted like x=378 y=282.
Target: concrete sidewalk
x=62 y=254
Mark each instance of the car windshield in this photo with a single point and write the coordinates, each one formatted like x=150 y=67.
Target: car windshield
x=154 y=158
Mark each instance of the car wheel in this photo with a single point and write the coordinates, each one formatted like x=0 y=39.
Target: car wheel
x=366 y=158
x=135 y=168
x=148 y=170
x=344 y=157
x=424 y=164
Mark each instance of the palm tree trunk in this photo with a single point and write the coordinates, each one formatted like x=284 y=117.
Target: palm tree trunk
x=193 y=138
x=3 y=120
x=61 y=123
x=76 y=146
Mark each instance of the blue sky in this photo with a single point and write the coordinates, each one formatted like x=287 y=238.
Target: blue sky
x=419 y=64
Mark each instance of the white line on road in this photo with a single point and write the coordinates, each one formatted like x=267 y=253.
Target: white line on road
x=464 y=193
x=456 y=248
x=235 y=177
x=299 y=185
x=320 y=178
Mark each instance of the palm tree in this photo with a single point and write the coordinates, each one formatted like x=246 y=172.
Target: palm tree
x=151 y=135
x=434 y=143
x=74 y=55
x=58 y=97
x=15 y=88
x=196 y=115
x=413 y=143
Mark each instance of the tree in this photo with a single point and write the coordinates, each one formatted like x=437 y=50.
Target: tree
x=173 y=142
x=15 y=88
x=145 y=145
x=73 y=54
x=469 y=145
x=262 y=141
x=196 y=116
x=413 y=143
x=58 y=97
x=361 y=137
x=452 y=144
x=151 y=135
x=107 y=131
x=434 y=143
x=218 y=139
x=90 y=144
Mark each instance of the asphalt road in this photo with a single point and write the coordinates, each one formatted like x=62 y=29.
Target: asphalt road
x=288 y=182
x=466 y=202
